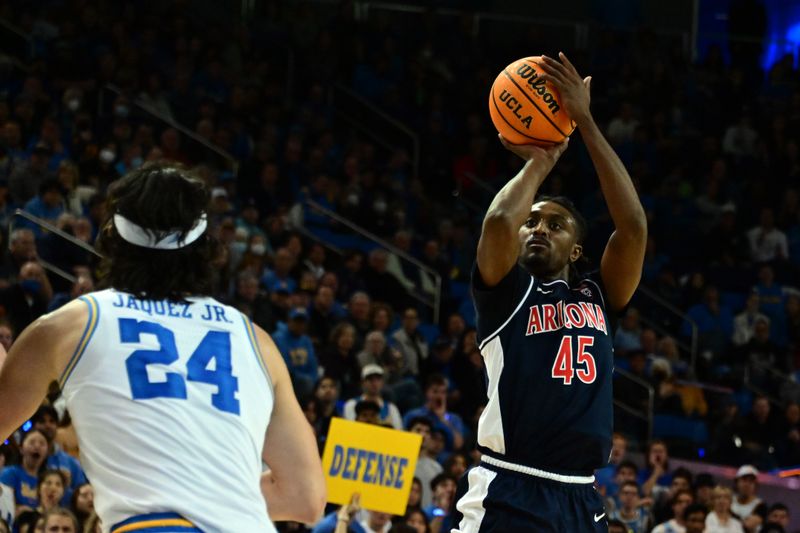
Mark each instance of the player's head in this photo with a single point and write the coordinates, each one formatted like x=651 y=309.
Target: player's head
x=551 y=240
x=154 y=239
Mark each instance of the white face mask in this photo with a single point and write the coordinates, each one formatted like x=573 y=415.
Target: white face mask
x=107 y=156
x=258 y=249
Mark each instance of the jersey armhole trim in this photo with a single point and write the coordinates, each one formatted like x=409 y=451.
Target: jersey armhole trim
x=519 y=305
x=251 y=335
x=599 y=291
x=88 y=332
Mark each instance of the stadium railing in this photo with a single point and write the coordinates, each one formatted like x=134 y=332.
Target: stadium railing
x=47 y=226
x=648 y=415
x=215 y=152
x=434 y=301
x=370 y=120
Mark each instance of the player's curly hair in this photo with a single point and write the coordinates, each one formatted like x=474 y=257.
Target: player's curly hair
x=163 y=197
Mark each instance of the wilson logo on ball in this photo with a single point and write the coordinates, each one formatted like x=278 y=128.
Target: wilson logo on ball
x=527 y=72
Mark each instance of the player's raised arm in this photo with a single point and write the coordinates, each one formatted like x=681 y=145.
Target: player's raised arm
x=621 y=265
x=35 y=360
x=294 y=488
x=498 y=247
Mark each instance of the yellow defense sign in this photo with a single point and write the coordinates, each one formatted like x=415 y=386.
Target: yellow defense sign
x=374 y=461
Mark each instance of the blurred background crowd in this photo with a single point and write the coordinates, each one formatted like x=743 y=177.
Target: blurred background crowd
x=350 y=159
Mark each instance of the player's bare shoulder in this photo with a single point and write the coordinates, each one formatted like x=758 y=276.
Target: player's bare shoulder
x=58 y=333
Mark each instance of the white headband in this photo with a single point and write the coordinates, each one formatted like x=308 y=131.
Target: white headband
x=135 y=234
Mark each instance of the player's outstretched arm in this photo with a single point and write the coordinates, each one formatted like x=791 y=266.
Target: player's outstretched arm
x=621 y=265
x=36 y=359
x=294 y=487
x=498 y=247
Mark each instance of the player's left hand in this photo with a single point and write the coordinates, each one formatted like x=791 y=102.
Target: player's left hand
x=573 y=90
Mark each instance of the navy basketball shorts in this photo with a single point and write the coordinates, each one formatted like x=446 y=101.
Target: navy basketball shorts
x=494 y=499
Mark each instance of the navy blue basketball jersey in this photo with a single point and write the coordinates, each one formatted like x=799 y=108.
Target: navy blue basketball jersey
x=548 y=353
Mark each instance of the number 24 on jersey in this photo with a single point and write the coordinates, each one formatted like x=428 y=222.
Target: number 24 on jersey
x=215 y=345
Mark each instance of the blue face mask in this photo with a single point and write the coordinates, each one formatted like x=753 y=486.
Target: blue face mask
x=31 y=286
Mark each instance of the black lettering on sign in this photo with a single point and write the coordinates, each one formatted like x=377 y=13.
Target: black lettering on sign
x=538 y=85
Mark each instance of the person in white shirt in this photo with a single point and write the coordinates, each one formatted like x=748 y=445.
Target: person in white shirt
x=744 y=324
x=720 y=520
x=767 y=243
x=372 y=383
x=746 y=501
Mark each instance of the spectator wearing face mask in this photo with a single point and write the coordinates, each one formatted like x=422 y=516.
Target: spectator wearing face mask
x=27 y=299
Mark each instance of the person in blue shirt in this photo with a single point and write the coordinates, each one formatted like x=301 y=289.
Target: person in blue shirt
x=298 y=351
x=45 y=420
x=48 y=205
x=444 y=490
x=714 y=322
x=435 y=409
x=24 y=477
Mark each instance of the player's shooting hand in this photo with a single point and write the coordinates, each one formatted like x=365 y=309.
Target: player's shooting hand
x=546 y=157
x=574 y=91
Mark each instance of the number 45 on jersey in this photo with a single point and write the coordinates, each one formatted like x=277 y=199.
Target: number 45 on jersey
x=583 y=366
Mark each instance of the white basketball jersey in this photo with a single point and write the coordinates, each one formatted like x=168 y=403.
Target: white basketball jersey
x=171 y=404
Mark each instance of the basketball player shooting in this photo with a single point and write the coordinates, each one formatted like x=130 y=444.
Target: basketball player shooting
x=545 y=337
x=176 y=398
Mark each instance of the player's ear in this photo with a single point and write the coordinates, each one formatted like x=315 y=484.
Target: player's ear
x=577 y=252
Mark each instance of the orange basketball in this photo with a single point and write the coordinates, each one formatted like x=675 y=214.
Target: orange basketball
x=525 y=108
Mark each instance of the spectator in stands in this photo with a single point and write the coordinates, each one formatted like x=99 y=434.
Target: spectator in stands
x=778 y=514
x=376 y=351
x=26 y=178
x=772 y=300
x=440 y=360
x=281 y=272
x=427 y=466
x=326 y=394
x=358 y=315
x=6 y=336
x=21 y=249
x=694 y=519
x=253 y=303
x=760 y=356
x=83 y=284
x=415 y=496
x=720 y=518
x=340 y=360
x=632 y=511
x=410 y=342
x=704 y=489
x=381 y=318
x=45 y=420
x=24 y=478
x=747 y=506
x=679 y=503
x=767 y=243
x=438 y=512
x=82 y=504
x=368 y=412
x=435 y=408
x=315 y=260
x=51 y=490
x=298 y=352
x=59 y=520
x=350 y=276
x=627 y=338
x=47 y=205
x=605 y=476
x=744 y=323
x=26 y=300
x=625 y=471
x=324 y=314
x=656 y=477
x=372 y=386
x=628 y=391
x=417 y=520
x=7 y=507
x=681 y=482
x=789 y=436
x=382 y=285
x=714 y=322
x=760 y=433
x=616 y=526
